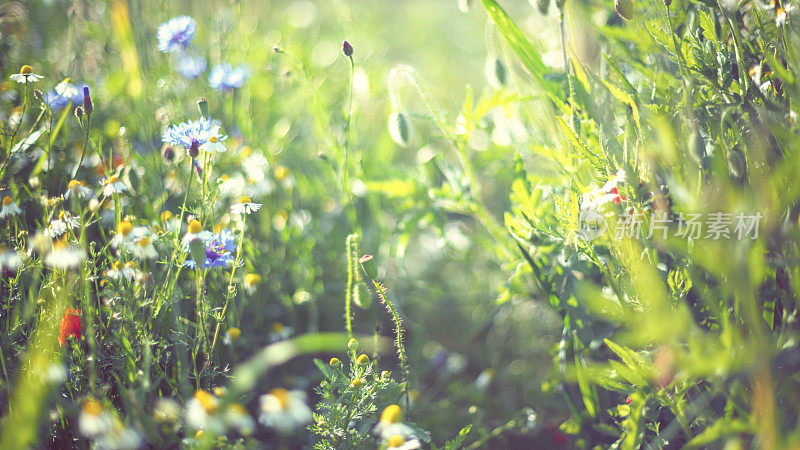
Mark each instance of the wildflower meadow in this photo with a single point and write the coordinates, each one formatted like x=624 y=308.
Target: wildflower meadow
x=416 y=224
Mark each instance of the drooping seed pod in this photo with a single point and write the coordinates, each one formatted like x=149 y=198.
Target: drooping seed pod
x=737 y=163
x=496 y=72
x=399 y=128
x=347 y=49
x=624 y=9
x=697 y=147
x=543 y=6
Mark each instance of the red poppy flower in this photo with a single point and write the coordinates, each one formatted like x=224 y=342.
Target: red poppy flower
x=619 y=198
x=70 y=326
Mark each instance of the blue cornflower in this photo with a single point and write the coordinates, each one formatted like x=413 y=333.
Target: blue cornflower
x=199 y=132
x=220 y=248
x=176 y=34
x=224 y=77
x=191 y=66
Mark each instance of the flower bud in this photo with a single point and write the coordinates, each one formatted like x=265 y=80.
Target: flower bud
x=38 y=95
x=362 y=359
x=194 y=148
x=167 y=152
x=202 y=104
x=347 y=49
x=496 y=72
x=399 y=128
x=335 y=363
x=624 y=8
x=737 y=163
x=352 y=344
x=87 y=101
x=79 y=113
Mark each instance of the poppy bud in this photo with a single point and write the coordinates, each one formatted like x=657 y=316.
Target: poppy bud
x=697 y=147
x=167 y=152
x=347 y=49
x=202 y=104
x=496 y=72
x=399 y=128
x=88 y=107
x=737 y=163
x=624 y=8
x=194 y=148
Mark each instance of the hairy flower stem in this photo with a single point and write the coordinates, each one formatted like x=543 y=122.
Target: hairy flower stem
x=83 y=151
x=352 y=254
x=230 y=293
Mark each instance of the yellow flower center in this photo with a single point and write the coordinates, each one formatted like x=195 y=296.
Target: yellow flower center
x=198 y=435
x=282 y=395
x=207 y=401
x=396 y=440
x=357 y=383
x=252 y=279
x=74 y=184
x=7 y=200
x=244 y=199
x=363 y=359
x=195 y=226
x=124 y=228
x=238 y=409
x=213 y=140
x=131 y=265
x=281 y=172
x=110 y=180
x=234 y=333
x=392 y=414
x=62 y=214
x=166 y=215
x=117 y=265
x=26 y=70
x=334 y=361
x=92 y=407
x=277 y=327
x=143 y=242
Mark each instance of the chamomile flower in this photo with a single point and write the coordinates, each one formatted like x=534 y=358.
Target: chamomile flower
x=245 y=206
x=26 y=75
x=126 y=233
x=143 y=248
x=119 y=437
x=251 y=281
x=176 y=34
x=226 y=78
x=166 y=410
x=231 y=336
x=280 y=332
x=391 y=423
x=64 y=256
x=113 y=185
x=213 y=145
x=65 y=222
x=193 y=132
x=94 y=420
x=236 y=417
x=9 y=208
x=78 y=189
x=9 y=260
x=284 y=410
x=201 y=412
x=399 y=442
x=118 y=272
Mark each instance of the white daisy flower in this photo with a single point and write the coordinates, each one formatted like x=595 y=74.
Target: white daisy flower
x=8 y=259
x=251 y=281
x=63 y=256
x=77 y=188
x=166 y=410
x=128 y=234
x=391 y=424
x=143 y=248
x=120 y=271
x=65 y=221
x=94 y=419
x=399 y=442
x=9 y=208
x=26 y=75
x=231 y=336
x=245 y=206
x=284 y=410
x=201 y=413
x=119 y=438
x=66 y=89
x=112 y=185
x=214 y=144
x=236 y=417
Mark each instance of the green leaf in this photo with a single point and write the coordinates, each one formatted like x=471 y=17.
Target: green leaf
x=707 y=24
x=523 y=48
